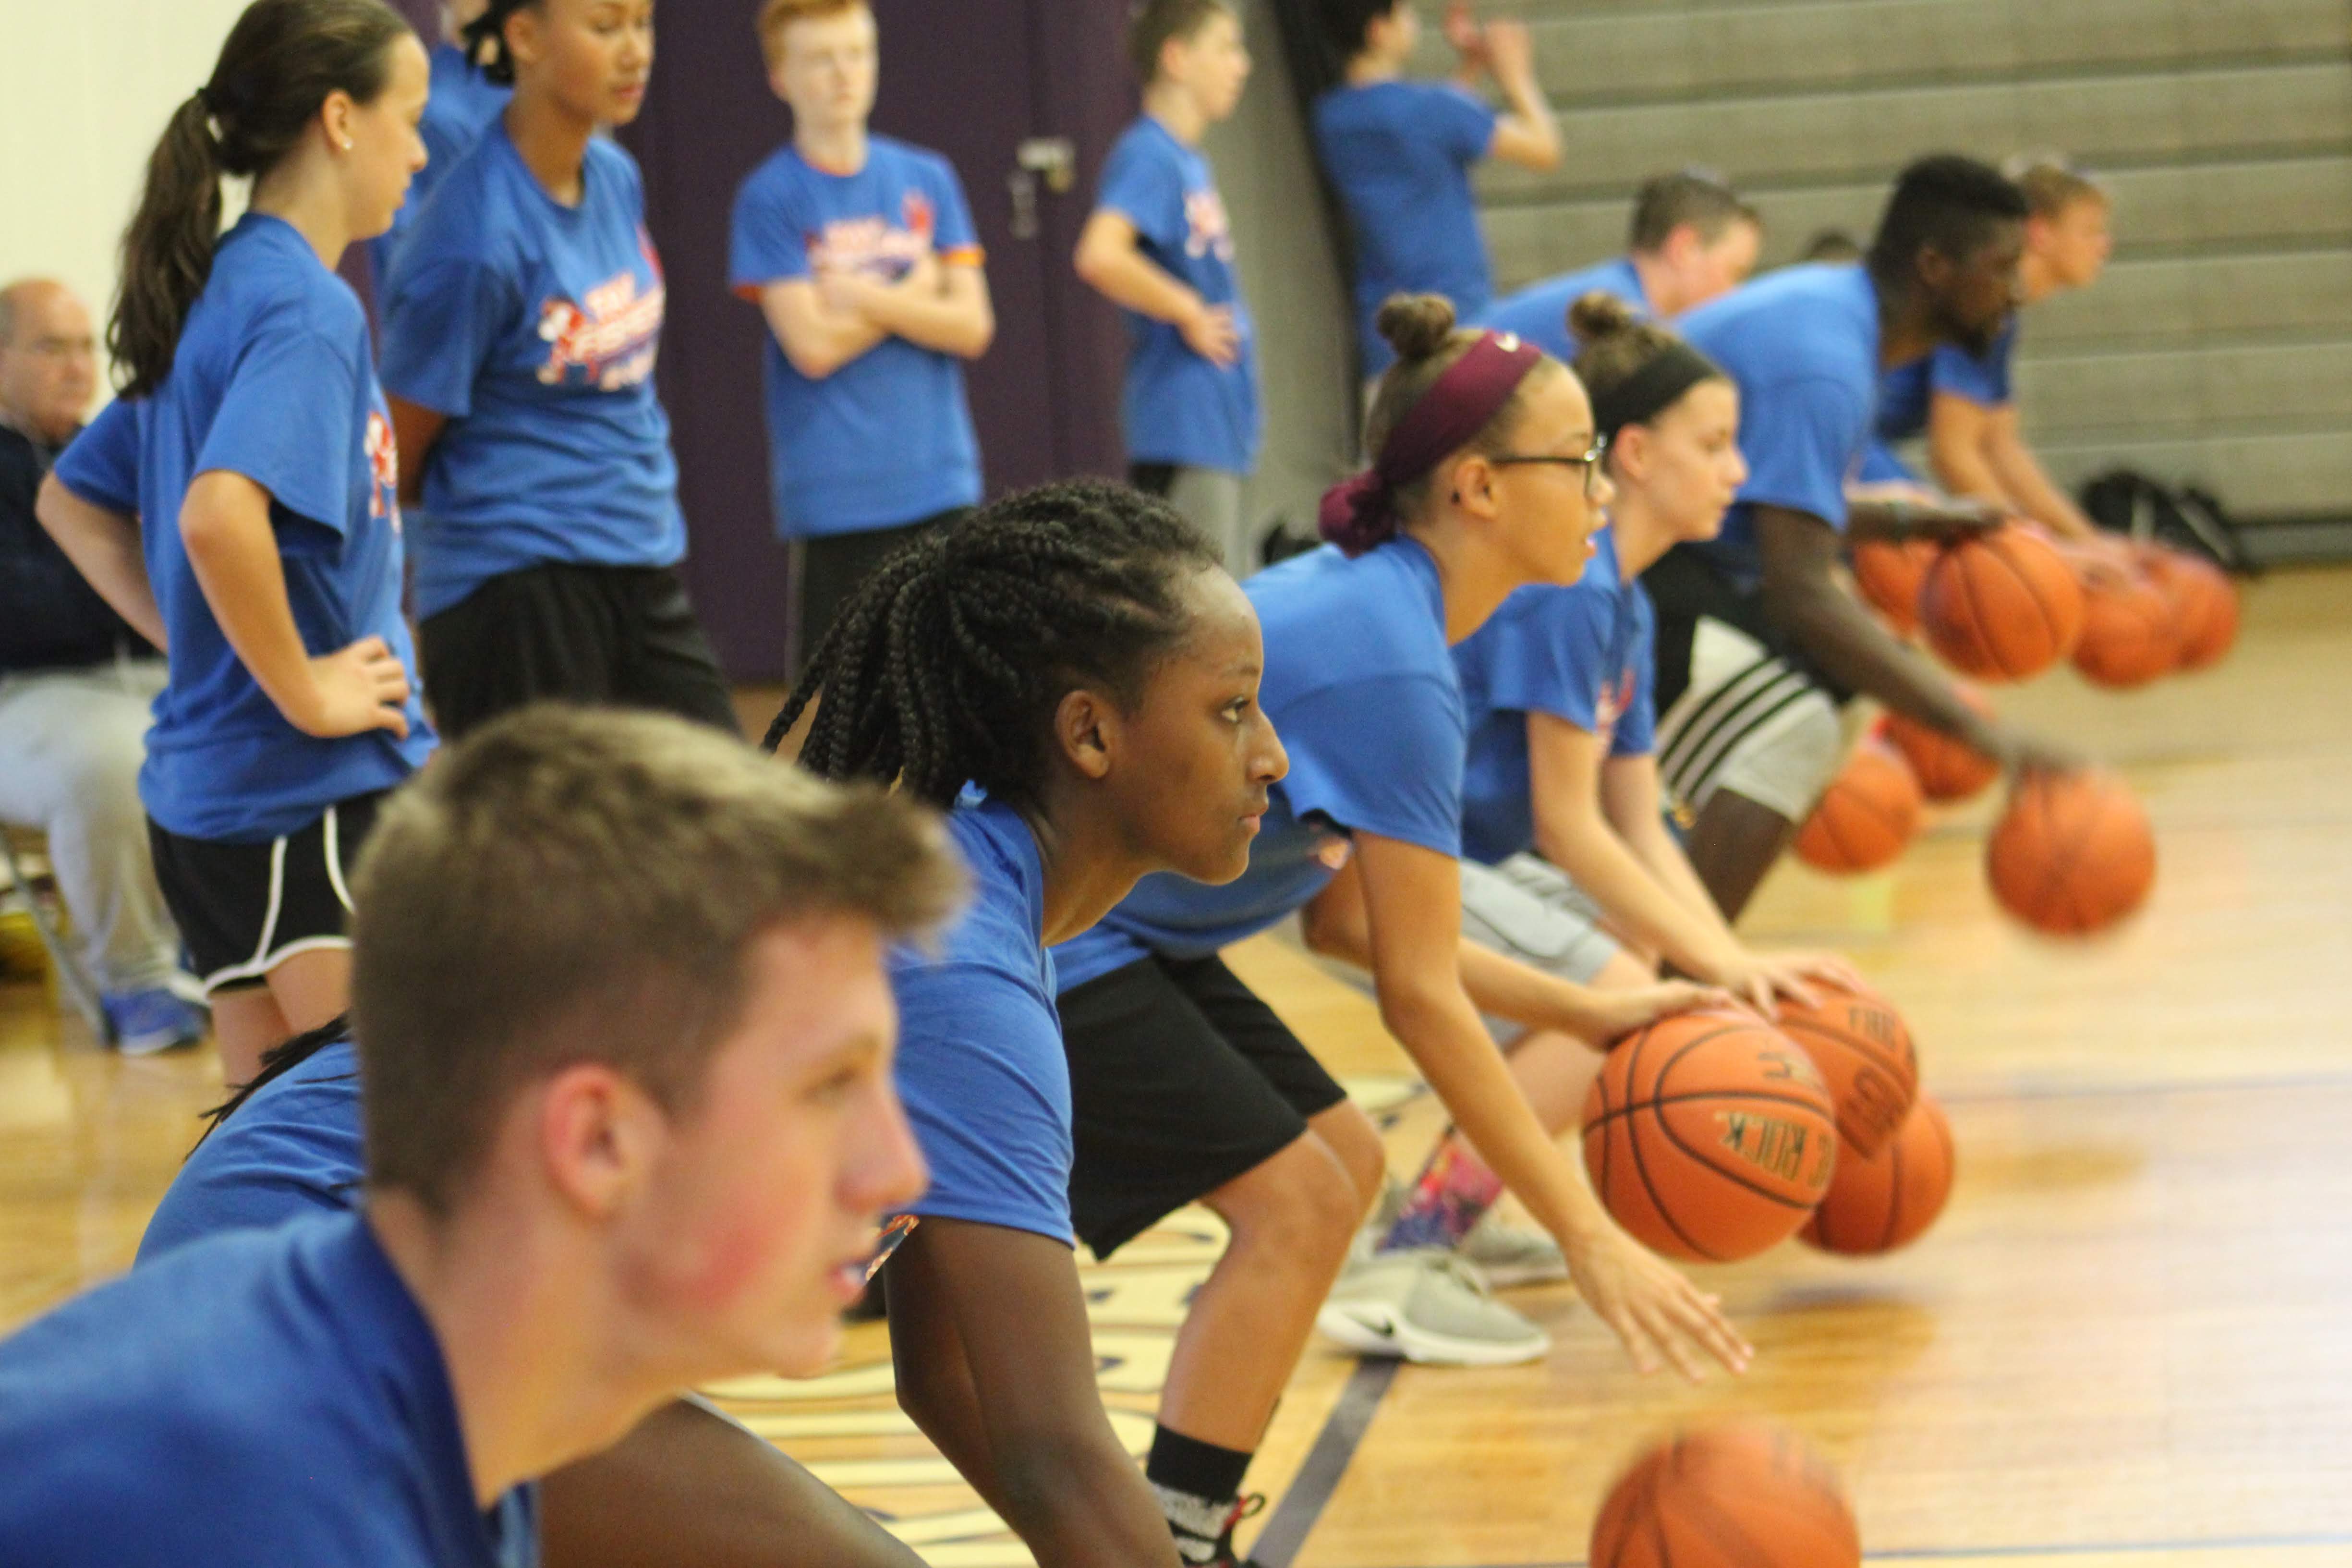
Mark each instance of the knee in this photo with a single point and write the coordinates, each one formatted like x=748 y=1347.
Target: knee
x=1301 y=1203
x=1355 y=1143
x=102 y=773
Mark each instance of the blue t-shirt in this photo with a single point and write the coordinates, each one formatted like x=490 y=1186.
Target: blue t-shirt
x=1538 y=312
x=531 y=327
x=256 y=1400
x=1178 y=408
x=293 y=1150
x=1802 y=344
x=1360 y=687
x=887 y=439
x=1585 y=653
x=1398 y=154
x=981 y=1066
x=270 y=380
x=463 y=102
x=1906 y=391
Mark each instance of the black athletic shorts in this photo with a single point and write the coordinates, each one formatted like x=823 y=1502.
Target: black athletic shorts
x=831 y=567
x=245 y=909
x=1180 y=1079
x=566 y=632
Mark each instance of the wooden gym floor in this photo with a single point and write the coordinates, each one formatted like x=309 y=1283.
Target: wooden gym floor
x=2126 y=1345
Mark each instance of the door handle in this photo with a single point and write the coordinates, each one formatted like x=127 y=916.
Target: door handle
x=1054 y=160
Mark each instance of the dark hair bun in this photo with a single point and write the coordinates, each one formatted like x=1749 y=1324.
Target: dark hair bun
x=1416 y=325
x=1598 y=314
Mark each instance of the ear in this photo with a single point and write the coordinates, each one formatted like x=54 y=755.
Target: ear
x=1683 y=244
x=1629 y=453
x=335 y=118
x=1086 y=729
x=519 y=33
x=598 y=1136
x=1470 y=483
x=1933 y=268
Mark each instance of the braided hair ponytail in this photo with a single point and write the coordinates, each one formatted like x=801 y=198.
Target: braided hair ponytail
x=947 y=665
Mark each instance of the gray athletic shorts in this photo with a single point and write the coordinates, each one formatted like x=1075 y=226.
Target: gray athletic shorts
x=1526 y=909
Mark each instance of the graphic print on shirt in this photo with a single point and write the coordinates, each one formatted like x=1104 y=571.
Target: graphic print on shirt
x=1609 y=705
x=1207 y=230
x=611 y=334
x=872 y=244
x=383 y=468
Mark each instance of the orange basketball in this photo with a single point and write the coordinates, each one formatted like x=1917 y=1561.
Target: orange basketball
x=1739 y=1495
x=1946 y=770
x=1863 y=1050
x=1890 y=573
x=1866 y=815
x=2204 y=604
x=1709 y=1136
x=2130 y=633
x=1878 y=1202
x=2073 y=854
x=2002 y=606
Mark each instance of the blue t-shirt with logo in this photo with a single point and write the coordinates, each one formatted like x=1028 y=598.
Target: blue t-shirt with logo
x=981 y=1066
x=887 y=439
x=462 y=103
x=1178 y=408
x=251 y=1401
x=293 y=1150
x=531 y=327
x=1538 y=312
x=1584 y=653
x=271 y=379
x=1803 y=345
x=1360 y=685
x=1398 y=154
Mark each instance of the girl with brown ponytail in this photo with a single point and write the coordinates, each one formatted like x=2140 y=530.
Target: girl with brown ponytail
x=238 y=504
x=1187 y=1086
x=1561 y=817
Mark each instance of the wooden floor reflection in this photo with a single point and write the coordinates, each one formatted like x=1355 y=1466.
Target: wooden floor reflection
x=2127 y=1344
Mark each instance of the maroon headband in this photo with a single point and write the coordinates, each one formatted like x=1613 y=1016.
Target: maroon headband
x=1360 y=512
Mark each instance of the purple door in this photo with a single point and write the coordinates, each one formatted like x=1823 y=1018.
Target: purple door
x=974 y=79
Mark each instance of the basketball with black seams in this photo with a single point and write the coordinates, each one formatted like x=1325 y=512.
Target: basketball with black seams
x=1740 y=1495
x=1710 y=1135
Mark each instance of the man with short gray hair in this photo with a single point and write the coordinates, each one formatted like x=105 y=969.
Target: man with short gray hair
x=76 y=683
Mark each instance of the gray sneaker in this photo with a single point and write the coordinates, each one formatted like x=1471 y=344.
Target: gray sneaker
x=1507 y=1254
x=1504 y=1254
x=1427 y=1307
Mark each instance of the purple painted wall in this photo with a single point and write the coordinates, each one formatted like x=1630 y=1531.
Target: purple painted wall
x=970 y=78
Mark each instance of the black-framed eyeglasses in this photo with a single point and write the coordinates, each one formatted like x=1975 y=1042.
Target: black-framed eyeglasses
x=1590 y=463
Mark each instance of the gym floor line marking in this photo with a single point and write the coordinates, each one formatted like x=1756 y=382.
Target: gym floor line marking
x=1320 y=1473
x=2051 y=1549
x=2146 y=1088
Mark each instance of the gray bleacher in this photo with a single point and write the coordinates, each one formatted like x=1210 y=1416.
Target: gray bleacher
x=2218 y=348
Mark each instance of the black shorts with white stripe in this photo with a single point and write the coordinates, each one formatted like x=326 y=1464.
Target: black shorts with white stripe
x=245 y=909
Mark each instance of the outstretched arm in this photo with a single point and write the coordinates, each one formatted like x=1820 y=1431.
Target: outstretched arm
x=996 y=1364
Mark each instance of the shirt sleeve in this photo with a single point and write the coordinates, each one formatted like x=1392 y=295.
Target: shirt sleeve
x=1382 y=757
x=101 y=464
x=957 y=239
x=1465 y=123
x=1552 y=656
x=766 y=242
x=1145 y=191
x=441 y=319
x=1979 y=378
x=1799 y=438
x=286 y=423
x=1637 y=727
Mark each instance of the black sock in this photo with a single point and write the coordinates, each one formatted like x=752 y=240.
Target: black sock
x=1197 y=1484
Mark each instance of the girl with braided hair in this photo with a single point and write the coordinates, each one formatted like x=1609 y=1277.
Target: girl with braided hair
x=1186 y=1085
x=1071 y=674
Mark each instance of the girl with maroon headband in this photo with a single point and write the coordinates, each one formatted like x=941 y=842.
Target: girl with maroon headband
x=1186 y=1087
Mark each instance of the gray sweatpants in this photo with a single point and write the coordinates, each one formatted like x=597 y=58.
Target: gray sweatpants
x=1211 y=501
x=70 y=744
